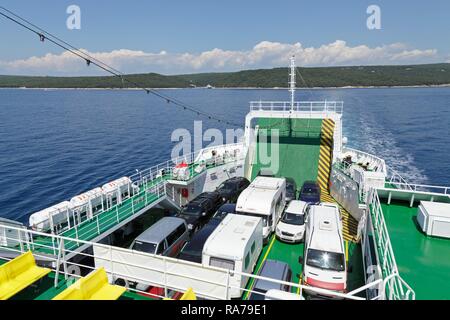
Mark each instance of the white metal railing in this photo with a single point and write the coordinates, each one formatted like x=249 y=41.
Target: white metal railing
x=62 y=266
x=396 y=287
x=376 y=162
x=166 y=168
x=300 y=106
x=395 y=179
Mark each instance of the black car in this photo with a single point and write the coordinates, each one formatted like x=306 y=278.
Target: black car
x=223 y=211
x=193 y=250
x=198 y=212
x=310 y=192
x=215 y=197
x=291 y=189
x=230 y=189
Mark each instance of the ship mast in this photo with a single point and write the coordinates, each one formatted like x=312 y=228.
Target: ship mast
x=292 y=83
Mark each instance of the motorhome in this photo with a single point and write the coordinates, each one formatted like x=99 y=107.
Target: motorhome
x=235 y=245
x=264 y=198
x=324 y=262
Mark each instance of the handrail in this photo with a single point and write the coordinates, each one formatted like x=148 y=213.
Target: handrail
x=381 y=163
x=63 y=261
x=385 y=253
x=299 y=106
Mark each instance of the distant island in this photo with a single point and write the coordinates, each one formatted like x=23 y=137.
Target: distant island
x=357 y=76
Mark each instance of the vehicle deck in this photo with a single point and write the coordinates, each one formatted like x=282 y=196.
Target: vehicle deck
x=301 y=149
x=423 y=261
x=299 y=140
x=290 y=253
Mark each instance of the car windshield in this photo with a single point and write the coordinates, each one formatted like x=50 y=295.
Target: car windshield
x=325 y=260
x=192 y=210
x=144 y=246
x=258 y=294
x=290 y=187
x=309 y=190
x=292 y=218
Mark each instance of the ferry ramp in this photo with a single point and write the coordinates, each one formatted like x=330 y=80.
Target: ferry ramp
x=299 y=148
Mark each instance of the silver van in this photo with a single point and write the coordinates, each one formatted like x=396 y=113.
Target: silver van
x=272 y=269
x=166 y=237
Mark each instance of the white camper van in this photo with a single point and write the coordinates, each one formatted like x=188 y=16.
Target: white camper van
x=264 y=198
x=235 y=245
x=324 y=262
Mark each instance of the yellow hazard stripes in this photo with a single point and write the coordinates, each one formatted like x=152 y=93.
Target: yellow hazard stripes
x=349 y=224
x=326 y=153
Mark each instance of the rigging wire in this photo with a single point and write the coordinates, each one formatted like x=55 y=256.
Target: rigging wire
x=90 y=60
x=304 y=82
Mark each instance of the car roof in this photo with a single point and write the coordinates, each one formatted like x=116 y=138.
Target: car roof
x=296 y=207
x=310 y=183
x=273 y=269
x=160 y=230
x=236 y=179
x=227 y=207
x=327 y=233
x=198 y=239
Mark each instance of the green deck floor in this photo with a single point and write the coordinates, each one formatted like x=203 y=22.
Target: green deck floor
x=423 y=261
x=299 y=148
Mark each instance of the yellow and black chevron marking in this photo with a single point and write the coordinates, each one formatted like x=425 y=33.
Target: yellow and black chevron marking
x=350 y=225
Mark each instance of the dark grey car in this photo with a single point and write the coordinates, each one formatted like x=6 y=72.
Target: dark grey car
x=272 y=269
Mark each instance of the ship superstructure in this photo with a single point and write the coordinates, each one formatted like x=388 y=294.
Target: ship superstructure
x=387 y=247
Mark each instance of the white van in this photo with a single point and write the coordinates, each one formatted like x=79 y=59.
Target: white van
x=235 y=245
x=264 y=198
x=324 y=262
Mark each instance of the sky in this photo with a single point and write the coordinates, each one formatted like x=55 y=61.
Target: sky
x=174 y=37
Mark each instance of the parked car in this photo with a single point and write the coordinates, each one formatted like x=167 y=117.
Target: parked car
x=193 y=250
x=198 y=212
x=213 y=196
x=291 y=190
x=224 y=210
x=291 y=227
x=272 y=269
x=231 y=189
x=166 y=237
x=310 y=192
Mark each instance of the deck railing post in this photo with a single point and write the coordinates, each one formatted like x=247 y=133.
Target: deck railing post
x=98 y=226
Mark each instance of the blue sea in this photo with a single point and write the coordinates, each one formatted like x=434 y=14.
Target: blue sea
x=55 y=144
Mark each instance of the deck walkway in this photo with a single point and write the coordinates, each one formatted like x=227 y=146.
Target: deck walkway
x=423 y=261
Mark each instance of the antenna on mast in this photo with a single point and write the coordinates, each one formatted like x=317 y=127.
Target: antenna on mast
x=292 y=83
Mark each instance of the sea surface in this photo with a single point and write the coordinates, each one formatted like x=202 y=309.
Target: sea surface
x=55 y=144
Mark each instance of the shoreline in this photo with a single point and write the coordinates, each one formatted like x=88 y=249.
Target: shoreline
x=230 y=88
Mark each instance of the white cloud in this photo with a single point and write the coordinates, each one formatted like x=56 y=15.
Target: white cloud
x=265 y=54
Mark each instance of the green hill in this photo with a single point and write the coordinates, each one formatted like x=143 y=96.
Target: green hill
x=411 y=75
